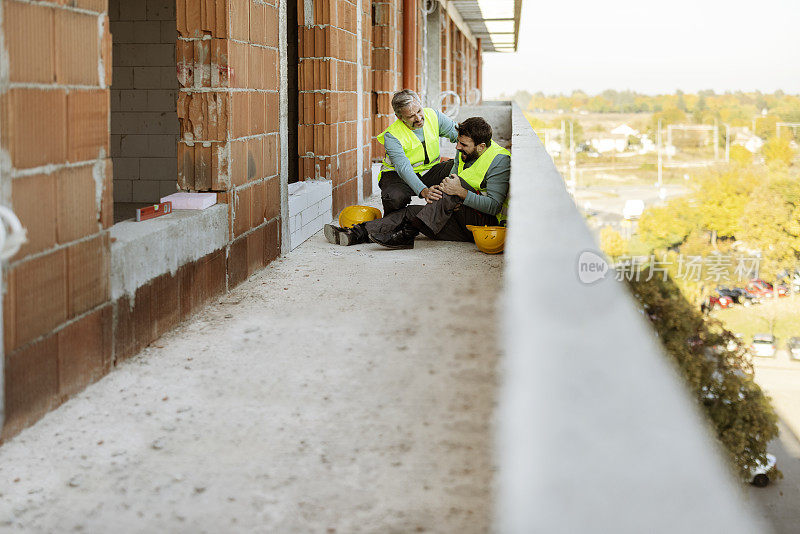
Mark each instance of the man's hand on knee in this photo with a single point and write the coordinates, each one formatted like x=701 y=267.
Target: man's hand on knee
x=452 y=186
x=431 y=194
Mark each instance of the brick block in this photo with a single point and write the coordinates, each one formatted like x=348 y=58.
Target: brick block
x=146 y=191
x=257 y=209
x=255 y=67
x=239 y=17
x=270 y=155
x=271 y=24
x=77 y=31
x=161 y=10
x=84 y=351
x=272 y=198
x=216 y=278
x=188 y=289
x=28 y=32
x=273 y=113
x=88 y=272
x=255 y=158
x=31 y=385
x=143 y=325
x=270 y=66
x=240 y=210
x=124 y=331
x=34 y=201
x=240 y=165
x=258 y=27
x=77 y=214
x=237 y=263
x=165 y=303
x=40 y=296
x=123 y=190
x=161 y=169
x=129 y=10
x=256 y=242
x=237 y=65
x=107 y=202
x=87 y=125
x=35 y=126
x=258 y=113
x=240 y=116
x=272 y=241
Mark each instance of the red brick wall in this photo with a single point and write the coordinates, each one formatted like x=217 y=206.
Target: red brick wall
x=366 y=97
x=228 y=108
x=387 y=65
x=327 y=80
x=54 y=118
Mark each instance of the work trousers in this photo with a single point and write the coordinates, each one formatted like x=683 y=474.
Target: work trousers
x=396 y=194
x=444 y=220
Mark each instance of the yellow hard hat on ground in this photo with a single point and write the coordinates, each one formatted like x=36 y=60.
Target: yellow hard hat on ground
x=358 y=214
x=490 y=239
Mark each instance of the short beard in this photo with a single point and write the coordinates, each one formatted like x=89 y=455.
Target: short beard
x=468 y=158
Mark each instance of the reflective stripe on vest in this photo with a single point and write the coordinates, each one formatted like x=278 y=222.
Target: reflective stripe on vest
x=476 y=173
x=412 y=147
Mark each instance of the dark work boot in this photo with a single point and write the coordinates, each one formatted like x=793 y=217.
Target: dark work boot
x=345 y=236
x=401 y=238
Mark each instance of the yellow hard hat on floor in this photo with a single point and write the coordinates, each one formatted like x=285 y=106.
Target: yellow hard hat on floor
x=490 y=239
x=358 y=214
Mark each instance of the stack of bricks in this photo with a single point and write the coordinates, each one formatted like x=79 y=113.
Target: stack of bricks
x=228 y=109
x=144 y=126
x=54 y=109
x=387 y=66
x=328 y=107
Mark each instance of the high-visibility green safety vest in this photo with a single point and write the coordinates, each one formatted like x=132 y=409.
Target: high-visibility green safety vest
x=475 y=173
x=411 y=144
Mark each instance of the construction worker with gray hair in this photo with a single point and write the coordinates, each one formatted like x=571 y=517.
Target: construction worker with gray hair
x=412 y=164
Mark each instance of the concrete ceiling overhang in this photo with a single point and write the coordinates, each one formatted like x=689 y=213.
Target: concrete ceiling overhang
x=494 y=22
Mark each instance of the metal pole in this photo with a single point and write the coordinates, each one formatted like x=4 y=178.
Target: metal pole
x=660 y=163
x=669 y=142
x=571 y=156
x=716 y=141
x=727 y=144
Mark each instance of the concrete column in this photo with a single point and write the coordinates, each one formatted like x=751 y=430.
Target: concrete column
x=434 y=52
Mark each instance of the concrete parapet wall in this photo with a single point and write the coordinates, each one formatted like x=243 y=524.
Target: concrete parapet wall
x=596 y=432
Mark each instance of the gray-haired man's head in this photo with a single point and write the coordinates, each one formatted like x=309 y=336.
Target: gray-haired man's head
x=407 y=105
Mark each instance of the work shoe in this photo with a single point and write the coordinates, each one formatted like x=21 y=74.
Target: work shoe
x=343 y=236
x=401 y=238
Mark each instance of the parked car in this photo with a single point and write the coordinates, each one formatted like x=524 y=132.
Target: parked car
x=713 y=302
x=761 y=474
x=739 y=295
x=793 y=346
x=763 y=289
x=763 y=345
x=790 y=279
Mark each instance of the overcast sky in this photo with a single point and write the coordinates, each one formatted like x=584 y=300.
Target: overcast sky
x=651 y=47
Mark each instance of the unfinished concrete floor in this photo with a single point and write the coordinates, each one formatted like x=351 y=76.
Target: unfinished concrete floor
x=343 y=389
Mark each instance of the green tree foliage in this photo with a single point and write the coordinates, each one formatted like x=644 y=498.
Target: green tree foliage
x=722 y=196
x=612 y=243
x=720 y=380
x=771 y=222
x=778 y=152
x=741 y=156
x=662 y=227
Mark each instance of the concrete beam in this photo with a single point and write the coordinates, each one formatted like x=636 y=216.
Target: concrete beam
x=458 y=20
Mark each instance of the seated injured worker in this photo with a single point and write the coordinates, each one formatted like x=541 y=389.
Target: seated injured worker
x=412 y=164
x=475 y=193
